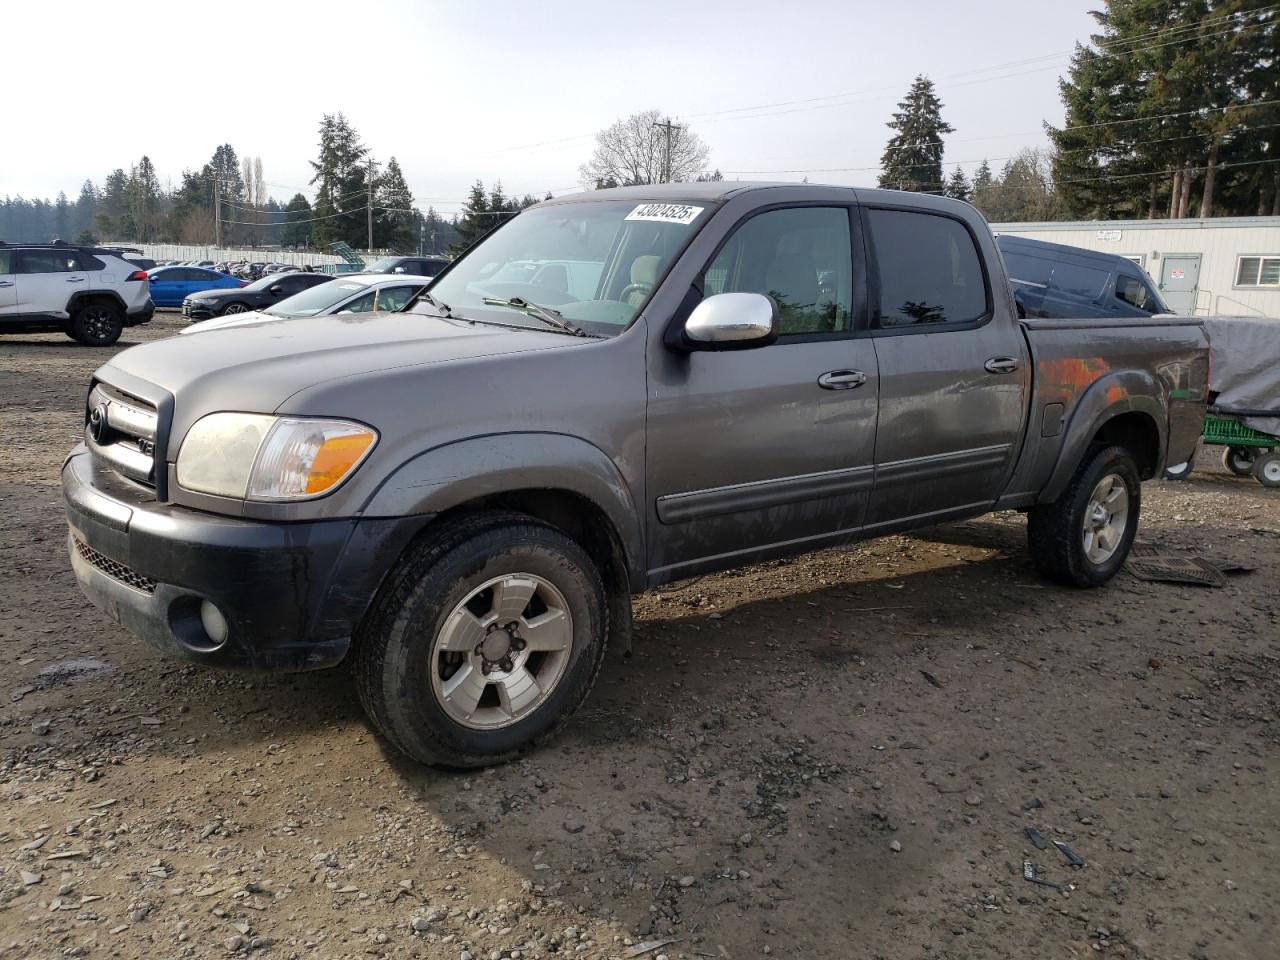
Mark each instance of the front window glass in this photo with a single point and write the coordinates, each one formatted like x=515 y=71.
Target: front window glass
x=360 y=304
x=385 y=265
x=46 y=261
x=1137 y=293
x=594 y=261
x=392 y=299
x=315 y=300
x=801 y=258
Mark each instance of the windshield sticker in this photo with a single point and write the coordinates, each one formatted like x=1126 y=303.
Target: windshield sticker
x=666 y=213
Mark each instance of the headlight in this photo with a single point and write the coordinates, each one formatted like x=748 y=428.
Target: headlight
x=255 y=457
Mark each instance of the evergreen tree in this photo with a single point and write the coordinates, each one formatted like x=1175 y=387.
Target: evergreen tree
x=144 y=199
x=958 y=187
x=474 y=222
x=62 y=217
x=395 y=219
x=340 y=181
x=114 y=220
x=296 y=232
x=86 y=206
x=912 y=159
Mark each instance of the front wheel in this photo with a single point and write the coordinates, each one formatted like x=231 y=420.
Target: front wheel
x=484 y=640
x=1083 y=538
x=236 y=307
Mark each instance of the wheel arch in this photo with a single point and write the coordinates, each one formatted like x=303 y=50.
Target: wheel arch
x=81 y=297
x=1126 y=408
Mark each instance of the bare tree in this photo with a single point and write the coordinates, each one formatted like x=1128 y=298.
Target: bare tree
x=644 y=148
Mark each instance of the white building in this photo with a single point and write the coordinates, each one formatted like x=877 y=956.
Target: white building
x=1223 y=265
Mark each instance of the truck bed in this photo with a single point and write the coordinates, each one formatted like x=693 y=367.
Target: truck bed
x=1157 y=367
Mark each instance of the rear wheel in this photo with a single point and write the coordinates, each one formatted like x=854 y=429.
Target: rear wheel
x=1238 y=460
x=97 y=323
x=483 y=641
x=1266 y=469
x=1083 y=537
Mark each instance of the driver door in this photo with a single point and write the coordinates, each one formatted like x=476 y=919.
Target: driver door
x=770 y=450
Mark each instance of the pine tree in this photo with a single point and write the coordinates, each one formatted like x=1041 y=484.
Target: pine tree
x=86 y=207
x=340 y=181
x=395 y=219
x=62 y=217
x=296 y=232
x=113 y=220
x=474 y=222
x=912 y=159
x=958 y=187
x=144 y=199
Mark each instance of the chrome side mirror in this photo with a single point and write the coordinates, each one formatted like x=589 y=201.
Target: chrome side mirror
x=732 y=321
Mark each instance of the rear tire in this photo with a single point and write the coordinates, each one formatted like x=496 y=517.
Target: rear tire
x=1238 y=460
x=1266 y=469
x=424 y=666
x=1083 y=538
x=97 y=323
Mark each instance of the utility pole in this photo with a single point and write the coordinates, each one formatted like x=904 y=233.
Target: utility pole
x=370 y=211
x=217 y=213
x=667 y=126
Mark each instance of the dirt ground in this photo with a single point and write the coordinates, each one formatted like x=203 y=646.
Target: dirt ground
x=832 y=757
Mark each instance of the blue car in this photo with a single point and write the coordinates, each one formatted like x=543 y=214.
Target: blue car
x=171 y=285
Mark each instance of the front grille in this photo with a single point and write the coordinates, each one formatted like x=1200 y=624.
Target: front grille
x=113 y=569
x=121 y=433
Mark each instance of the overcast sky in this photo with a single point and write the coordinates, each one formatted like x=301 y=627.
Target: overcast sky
x=515 y=90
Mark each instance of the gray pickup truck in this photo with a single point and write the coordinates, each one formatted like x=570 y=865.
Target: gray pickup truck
x=611 y=391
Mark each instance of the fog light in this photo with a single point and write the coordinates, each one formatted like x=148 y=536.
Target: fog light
x=215 y=624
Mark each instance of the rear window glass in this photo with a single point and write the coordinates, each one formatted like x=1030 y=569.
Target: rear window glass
x=929 y=270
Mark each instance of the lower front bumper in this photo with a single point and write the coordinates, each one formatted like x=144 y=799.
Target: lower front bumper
x=292 y=594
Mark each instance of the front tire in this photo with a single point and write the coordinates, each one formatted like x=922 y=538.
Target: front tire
x=97 y=324
x=1083 y=538
x=234 y=307
x=482 y=642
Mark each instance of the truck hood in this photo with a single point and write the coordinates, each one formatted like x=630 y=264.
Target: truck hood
x=258 y=366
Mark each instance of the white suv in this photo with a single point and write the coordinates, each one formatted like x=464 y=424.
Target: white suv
x=89 y=293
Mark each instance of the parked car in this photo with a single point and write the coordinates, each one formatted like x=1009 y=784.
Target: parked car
x=263 y=292
x=89 y=293
x=464 y=495
x=1052 y=280
x=171 y=285
x=416 y=266
x=360 y=293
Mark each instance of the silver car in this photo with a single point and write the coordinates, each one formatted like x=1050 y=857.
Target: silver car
x=357 y=293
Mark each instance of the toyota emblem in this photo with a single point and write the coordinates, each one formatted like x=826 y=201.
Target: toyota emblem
x=98 y=422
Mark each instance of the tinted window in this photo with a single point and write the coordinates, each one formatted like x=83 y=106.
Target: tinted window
x=1057 y=275
x=1136 y=293
x=47 y=261
x=929 y=269
x=800 y=257
x=4 y=261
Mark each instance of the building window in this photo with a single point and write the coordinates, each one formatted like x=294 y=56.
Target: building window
x=1258 y=272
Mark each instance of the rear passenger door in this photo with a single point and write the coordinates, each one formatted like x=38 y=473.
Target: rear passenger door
x=952 y=382
x=47 y=280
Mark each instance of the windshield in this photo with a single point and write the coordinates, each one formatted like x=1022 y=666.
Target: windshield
x=385 y=265
x=316 y=299
x=264 y=282
x=594 y=262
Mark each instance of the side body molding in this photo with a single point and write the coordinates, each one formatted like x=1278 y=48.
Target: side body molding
x=455 y=473
x=1114 y=394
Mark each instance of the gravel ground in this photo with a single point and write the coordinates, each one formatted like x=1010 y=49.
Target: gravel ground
x=831 y=757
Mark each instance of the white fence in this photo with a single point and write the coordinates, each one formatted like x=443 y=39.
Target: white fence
x=196 y=251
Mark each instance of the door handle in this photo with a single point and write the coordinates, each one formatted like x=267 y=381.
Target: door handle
x=6 y=283
x=1001 y=365
x=75 y=279
x=842 y=379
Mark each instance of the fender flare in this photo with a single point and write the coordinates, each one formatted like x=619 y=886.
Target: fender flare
x=74 y=300
x=1110 y=396
x=455 y=473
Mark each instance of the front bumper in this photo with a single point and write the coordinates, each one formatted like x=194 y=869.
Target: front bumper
x=292 y=594
x=142 y=314
x=198 y=311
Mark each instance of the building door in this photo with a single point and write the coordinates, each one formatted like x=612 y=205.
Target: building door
x=1180 y=281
